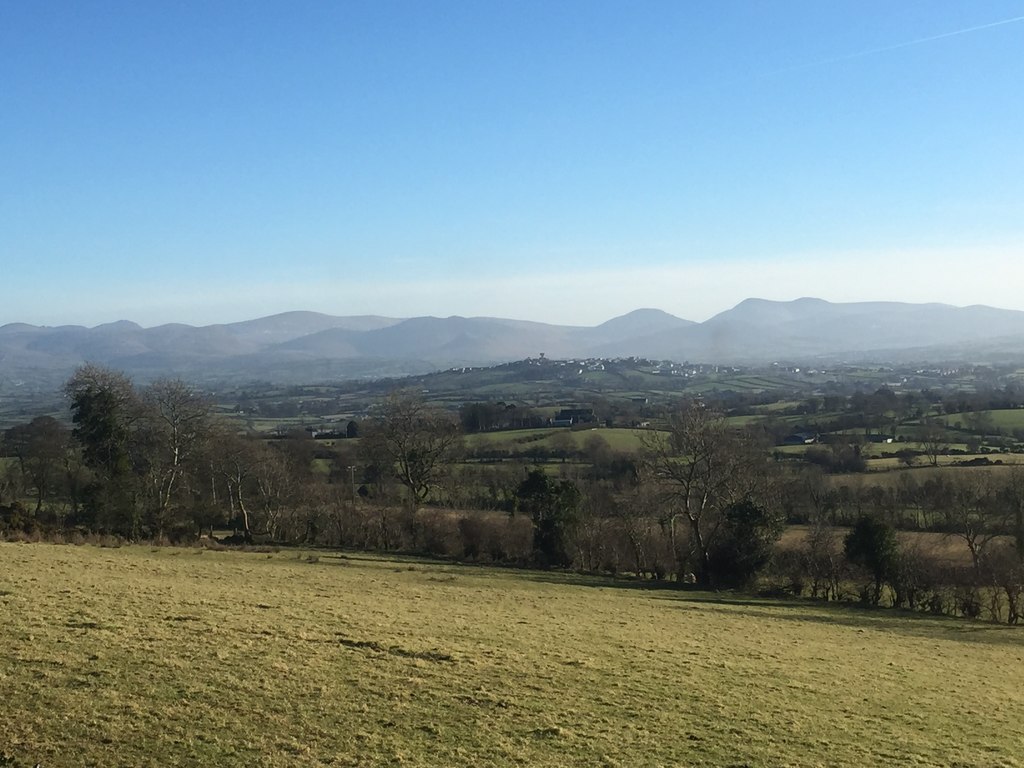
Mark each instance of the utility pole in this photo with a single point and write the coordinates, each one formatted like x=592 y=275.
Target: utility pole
x=352 y=486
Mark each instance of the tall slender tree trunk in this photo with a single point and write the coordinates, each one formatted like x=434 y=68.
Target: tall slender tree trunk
x=704 y=570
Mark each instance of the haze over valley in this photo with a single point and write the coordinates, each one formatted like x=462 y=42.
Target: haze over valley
x=305 y=347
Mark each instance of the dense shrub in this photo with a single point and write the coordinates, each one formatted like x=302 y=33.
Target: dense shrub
x=871 y=544
x=744 y=546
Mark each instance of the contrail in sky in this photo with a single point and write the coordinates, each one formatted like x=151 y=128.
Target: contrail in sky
x=896 y=47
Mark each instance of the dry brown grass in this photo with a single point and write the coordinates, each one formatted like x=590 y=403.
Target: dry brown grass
x=944 y=548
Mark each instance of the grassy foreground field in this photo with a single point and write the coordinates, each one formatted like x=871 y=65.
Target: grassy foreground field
x=139 y=656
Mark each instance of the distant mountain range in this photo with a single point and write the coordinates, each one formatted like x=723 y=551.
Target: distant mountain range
x=309 y=347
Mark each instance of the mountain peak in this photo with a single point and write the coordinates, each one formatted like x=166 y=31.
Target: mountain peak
x=119 y=325
x=754 y=330
x=645 y=317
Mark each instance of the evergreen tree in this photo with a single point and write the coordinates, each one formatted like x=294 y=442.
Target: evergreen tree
x=872 y=544
x=553 y=506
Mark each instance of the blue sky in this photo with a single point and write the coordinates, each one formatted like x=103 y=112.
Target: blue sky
x=215 y=161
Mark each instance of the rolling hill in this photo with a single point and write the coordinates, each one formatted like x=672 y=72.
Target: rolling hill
x=309 y=346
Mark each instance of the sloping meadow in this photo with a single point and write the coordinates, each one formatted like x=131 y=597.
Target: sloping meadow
x=139 y=656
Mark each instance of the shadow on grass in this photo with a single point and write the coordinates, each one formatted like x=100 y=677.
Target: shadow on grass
x=605 y=582
x=797 y=610
x=805 y=610
x=864 y=618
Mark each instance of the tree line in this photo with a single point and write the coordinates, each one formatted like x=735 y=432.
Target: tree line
x=701 y=502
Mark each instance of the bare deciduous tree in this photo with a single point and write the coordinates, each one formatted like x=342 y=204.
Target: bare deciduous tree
x=823 y=559
x=174 y=425
x=704 y=467
x=414 y=440
x=974 y=513
x=934 y=439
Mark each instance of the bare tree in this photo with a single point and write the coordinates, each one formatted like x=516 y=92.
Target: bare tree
x=975 y=514
x=822 y=559
x=235 y=459
x=637 y=514
x=594 y=526
x=175 y=425
x=934 y=439
x=1006 y=572
x=414 y=441
x=1012 y=499
x=276 y=489
x=704 y=467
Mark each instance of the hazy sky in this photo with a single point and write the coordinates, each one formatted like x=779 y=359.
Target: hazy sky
x=561 y=161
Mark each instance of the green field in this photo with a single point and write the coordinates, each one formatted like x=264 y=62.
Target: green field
x=152 y=657
x=1006 y=419
x=618 y=439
